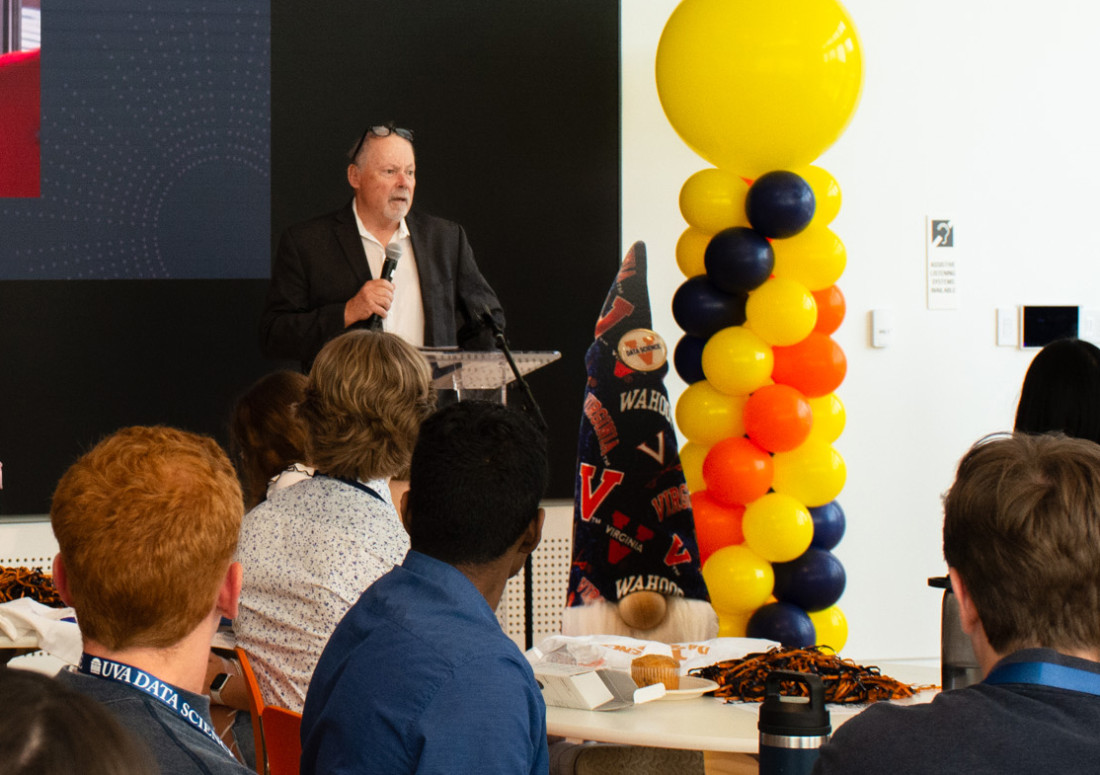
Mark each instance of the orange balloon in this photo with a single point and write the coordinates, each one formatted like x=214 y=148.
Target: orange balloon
x=737 y=471
x=816 y=366
x=778 y=418
x=830 y=309
x=716 y=524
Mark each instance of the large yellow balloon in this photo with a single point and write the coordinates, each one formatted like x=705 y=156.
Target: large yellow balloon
x=737 y=361
x=830 y=625
x=827 y=194
x=781 y=311
x=738 y=579
x=754 y=86
x=829 y=418
x=691 y=460
x=712 y=200
x=814 y=257
x=706 y=415
x=691 y=249
x=814 y=473
x=777 y=527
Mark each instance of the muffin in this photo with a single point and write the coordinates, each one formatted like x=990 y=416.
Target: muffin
x=656 y=668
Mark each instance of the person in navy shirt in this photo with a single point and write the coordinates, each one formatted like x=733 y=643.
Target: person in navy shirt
x=1021 y=537
x=419 y=677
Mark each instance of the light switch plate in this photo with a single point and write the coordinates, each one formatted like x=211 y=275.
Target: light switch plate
x=882 y=327
x=1008 y=326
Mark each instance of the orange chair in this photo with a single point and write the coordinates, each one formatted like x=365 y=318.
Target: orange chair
x=277 y=730
x=282 y=739
x=255 y=707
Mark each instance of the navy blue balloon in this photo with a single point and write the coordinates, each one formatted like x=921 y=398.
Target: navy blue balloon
x=701 y=309
x=813 y=582
x=784 y=622
x=738 y=260
x=828 y=525
x=688 y=358
x=780 y=204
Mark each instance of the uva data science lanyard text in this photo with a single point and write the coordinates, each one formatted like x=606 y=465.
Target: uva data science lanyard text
x=160 y=691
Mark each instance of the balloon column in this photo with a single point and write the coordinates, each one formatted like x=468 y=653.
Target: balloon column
x=760 y=89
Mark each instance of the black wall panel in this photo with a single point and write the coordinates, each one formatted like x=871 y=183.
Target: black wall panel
x=516 y=113
x=79 y=359
x=515 y=106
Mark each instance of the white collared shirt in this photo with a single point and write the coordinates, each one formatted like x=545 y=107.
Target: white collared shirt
x=406 y=316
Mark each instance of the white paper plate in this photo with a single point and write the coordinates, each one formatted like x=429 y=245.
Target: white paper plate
x=690 y=687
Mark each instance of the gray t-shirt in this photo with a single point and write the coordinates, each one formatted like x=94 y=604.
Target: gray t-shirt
x=178 y=747
x=994 y=729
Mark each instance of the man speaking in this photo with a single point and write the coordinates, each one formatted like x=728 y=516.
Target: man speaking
x=374 y=262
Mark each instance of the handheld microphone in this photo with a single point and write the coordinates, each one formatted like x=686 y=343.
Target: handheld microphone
x=485 y=318
x=389 y=264
x=393 y=255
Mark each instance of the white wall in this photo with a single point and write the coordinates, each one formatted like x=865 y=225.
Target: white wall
x=975 y=110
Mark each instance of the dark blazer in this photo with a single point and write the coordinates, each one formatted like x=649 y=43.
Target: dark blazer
x=320 y=264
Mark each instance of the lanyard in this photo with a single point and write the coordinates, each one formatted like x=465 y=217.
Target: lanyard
x=356 y=484
x=163 y=692
x=1046 y=674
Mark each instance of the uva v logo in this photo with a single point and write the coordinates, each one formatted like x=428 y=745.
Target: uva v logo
x=677 y=553
x=592 y=499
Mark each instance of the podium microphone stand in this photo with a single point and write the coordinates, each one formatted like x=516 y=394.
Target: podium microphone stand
x=483 y=370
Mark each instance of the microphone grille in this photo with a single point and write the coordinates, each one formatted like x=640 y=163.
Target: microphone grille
x=394 y=251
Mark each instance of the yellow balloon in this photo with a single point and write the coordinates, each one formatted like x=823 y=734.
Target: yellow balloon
x=814 y=257
x=829 y=418
x=691 y=460
x=777 y=527
x=781 y=311
x=813 y=473
x=712 y=200
x=733 y=624
x=756 y=86
x=738 y=579
x=706 y=415
x=827 y=195
x=690 y=250
x=830 y=625
x=736 y=361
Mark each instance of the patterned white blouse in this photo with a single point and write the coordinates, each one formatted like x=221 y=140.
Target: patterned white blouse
x=308 y=552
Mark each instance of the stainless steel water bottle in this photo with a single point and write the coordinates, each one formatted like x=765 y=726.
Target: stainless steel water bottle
x=792 y=728
x=958 y=664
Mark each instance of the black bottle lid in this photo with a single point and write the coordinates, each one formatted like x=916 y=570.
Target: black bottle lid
x=794 y=716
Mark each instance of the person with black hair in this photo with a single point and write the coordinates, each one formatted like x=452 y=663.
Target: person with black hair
x=419 y=677
x=49 y=729
x=1061 y=391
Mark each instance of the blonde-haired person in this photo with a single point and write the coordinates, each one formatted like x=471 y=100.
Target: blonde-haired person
x=310 y=550
x=147 y=524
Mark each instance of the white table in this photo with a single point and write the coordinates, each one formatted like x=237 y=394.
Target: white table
x=704 y=723
x=14 y=647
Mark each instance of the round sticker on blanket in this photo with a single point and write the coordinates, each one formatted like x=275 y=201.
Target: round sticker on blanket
x=643 y=350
